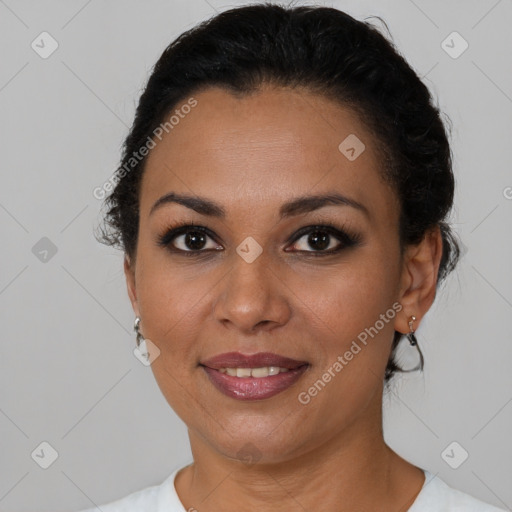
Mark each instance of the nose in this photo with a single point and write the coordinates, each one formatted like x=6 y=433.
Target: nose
x=252 y=297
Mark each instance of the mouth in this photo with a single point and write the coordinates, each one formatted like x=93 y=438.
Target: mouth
x=253 y=377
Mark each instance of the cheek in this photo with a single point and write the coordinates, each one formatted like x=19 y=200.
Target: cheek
x=169 y=305
x=349 y=298
x=354 y=303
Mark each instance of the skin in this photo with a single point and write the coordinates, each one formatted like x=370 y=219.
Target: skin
x=250 y=155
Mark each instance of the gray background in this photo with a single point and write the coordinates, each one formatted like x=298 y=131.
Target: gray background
x=68 y=375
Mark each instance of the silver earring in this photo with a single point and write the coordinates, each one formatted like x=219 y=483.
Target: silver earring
x=136 y=328
x=414 y=343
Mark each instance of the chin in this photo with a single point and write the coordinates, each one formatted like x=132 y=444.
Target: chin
x=265 y=443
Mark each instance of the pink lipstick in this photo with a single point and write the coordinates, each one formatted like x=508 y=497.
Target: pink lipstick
x=253 y=377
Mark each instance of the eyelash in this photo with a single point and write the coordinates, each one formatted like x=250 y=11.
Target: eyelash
x=346 y=237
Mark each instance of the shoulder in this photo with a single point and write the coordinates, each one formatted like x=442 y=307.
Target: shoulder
x=438 y=496
x=155 y=498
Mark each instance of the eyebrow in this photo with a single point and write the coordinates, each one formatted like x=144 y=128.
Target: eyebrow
x=298 y=206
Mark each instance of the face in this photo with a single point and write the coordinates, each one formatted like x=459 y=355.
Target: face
x=258 y=271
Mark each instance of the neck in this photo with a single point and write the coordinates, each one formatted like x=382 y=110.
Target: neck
x=353 y=470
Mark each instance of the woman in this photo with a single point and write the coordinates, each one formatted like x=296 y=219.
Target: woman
x=282 y=205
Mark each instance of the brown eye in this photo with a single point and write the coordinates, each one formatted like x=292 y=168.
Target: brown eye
x=193 y=240
x=318 y=241
x=189 y=239
x=323 y=240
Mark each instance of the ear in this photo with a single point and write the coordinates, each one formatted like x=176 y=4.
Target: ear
x=129 y=272
x=419 y=279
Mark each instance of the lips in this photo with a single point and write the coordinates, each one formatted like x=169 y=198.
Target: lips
x=251 y=387
x=238 y=360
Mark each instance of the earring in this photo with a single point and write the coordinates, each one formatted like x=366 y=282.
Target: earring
x=414 y=343
x=136 y=328
x=412 y=339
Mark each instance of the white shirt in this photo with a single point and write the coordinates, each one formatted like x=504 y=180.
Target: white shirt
x=435 y=496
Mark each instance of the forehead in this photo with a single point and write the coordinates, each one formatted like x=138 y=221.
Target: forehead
x=264 y=148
